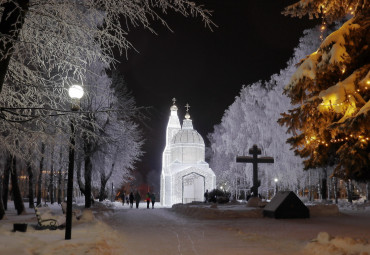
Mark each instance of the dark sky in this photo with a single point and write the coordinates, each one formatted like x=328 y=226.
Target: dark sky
x=206 y=68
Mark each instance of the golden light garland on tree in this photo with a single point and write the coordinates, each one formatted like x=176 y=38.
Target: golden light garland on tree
x=345 y=101
x=357 y=91
x=330 y=87
x=313 y=140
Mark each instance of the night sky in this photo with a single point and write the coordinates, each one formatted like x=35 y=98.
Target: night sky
x=205 y=68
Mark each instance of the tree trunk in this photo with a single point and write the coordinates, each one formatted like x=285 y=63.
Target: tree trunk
x=324 y=185
x=39 y=181
x=310 y=197
x=368 y=191
x=349 y=191
x=330 y=188
x=103 y=182
x=88 y=173
x=335 y=180
x=46 y=187
x=60 y=186
x=39 y=184
x=18 y=200
x=30 y=185
x=60 y=176
x=11 y=23
x=81 y=185
x=51 y=182
x=8 y=165
x=55 y=193
x=2 y=209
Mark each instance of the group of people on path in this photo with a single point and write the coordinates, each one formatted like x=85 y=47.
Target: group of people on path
x=150 y=197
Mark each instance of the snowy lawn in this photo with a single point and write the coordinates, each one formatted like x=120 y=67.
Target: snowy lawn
x=89 y=235
x=117 y=229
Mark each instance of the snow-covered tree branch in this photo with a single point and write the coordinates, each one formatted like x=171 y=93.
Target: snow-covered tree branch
x=46 y=46
x=331 y=91
x=252 y=119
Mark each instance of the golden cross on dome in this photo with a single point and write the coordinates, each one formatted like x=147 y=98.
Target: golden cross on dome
x=187 y=106
x=174 y=100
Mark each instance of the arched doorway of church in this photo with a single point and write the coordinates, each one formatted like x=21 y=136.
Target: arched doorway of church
x=193 y=186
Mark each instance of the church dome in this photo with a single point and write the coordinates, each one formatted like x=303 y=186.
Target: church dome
x=187 y=146
x=188 y=136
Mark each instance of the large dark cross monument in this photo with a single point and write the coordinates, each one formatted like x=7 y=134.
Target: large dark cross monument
x=246 y=159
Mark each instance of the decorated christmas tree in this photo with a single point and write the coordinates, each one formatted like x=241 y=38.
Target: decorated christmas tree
x=331 y=90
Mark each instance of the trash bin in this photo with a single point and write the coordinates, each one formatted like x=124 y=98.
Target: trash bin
x=22 y=227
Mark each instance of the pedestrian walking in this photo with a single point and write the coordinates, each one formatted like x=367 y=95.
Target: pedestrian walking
x=152 y=197
x=206 y=196
x=147 y=199
x=123 y=198
x=137 y=199
x=131 y=198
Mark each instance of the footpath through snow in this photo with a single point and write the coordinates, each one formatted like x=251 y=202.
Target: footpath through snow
x=110 y=228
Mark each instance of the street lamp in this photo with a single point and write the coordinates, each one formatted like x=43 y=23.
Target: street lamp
x=75 y=92
x=276 y=181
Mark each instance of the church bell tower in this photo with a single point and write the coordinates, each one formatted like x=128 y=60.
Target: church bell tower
x=173 y=127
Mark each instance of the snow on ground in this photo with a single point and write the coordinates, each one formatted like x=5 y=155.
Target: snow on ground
x=193 y=229
x=89 y=236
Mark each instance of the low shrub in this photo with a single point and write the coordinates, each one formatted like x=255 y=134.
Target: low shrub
x=219 y=196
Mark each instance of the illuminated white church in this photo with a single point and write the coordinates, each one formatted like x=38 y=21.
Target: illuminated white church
x=185 y=174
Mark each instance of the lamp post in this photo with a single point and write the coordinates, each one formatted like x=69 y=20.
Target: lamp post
x=75 y=92
x=276 y=181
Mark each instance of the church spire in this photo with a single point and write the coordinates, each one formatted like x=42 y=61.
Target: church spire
x=188 y=123
x=173 y=107
x=187 y=115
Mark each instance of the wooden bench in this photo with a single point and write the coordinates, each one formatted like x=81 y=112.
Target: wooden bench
x=47 y=220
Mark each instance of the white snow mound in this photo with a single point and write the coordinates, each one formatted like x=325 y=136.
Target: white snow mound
x=327 y=245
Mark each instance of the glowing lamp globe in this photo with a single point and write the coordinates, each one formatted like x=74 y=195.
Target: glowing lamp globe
x=276 y=180
x=76 y=92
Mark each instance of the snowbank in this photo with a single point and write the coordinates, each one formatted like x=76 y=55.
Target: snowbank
x=323 y=210
x=327 y=245
x=89 y=236
x=227 y=211
x=206 y=211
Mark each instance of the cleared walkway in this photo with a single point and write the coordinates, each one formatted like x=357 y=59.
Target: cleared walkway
x=160 y=231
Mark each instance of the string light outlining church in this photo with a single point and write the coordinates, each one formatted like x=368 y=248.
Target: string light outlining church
x=185 y=174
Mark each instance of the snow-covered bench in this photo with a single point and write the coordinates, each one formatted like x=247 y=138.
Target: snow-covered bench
x=47 y=220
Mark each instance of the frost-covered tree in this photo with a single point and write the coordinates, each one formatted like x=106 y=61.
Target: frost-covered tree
x=252 y=119
x=45 y=46
x=331 y=90
x=114 y=158
x=116 y=145
x=56 y=34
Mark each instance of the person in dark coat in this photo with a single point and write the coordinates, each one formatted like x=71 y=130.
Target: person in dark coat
x=131 y=198
x=123 y=198
x=137 y=199
x=152 y=197
x=147 y=199
x=206 y=196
